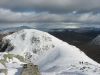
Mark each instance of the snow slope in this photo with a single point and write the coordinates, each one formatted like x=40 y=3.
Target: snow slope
x=12 y=66
x=53 y=56
x=30 y=42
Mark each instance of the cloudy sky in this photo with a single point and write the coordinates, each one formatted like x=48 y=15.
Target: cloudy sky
x=50 y=11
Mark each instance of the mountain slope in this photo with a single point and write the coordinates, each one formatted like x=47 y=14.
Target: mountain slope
x=96 y=41
x=49 y=53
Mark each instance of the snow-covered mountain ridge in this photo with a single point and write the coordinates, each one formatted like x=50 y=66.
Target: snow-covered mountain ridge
x=52 y=55
x=29 y=42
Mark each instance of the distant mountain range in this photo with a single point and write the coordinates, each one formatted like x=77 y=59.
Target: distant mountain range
x=13 y=29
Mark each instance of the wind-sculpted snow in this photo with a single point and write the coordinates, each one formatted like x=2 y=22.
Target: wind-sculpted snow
x=53 y=56
x=68 y=60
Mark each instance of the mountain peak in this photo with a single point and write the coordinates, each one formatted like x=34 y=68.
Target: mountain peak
x=48 y=52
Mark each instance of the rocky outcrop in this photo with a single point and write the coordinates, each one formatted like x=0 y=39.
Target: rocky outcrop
x=5 y=46
x=30 y=69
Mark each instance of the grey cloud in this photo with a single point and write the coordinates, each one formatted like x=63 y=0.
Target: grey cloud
x=10 y=16
x=62 y=6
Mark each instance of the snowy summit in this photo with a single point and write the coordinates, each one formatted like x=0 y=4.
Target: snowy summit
x=53 y=56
